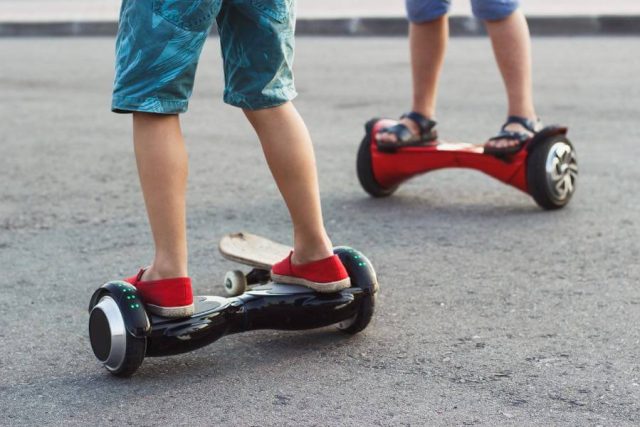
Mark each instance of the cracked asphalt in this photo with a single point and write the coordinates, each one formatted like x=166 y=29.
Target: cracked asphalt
x=491 y=311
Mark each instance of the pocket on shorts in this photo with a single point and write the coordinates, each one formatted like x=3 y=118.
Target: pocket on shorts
x=190 y=15
x=279 y=10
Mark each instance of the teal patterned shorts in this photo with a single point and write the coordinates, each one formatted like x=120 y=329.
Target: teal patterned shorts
x=159 y=44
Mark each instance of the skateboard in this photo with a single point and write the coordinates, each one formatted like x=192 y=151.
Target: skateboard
x=254 y=251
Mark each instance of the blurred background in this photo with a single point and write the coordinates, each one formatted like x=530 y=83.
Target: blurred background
x=99 y=10
x=570 y=16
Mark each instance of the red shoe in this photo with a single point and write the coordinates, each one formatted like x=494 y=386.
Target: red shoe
x=325 y=275
x=166 y=297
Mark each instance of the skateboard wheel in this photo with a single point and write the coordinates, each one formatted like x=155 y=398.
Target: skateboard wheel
x=552 y=171
x=235 y=283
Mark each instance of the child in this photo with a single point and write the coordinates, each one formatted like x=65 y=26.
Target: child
x=158 y=46
x=428 y=34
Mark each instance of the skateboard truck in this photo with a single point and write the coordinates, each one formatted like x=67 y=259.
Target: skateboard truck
x=252 y=250
x=545 y=168
x=236 y=282
x=122 y=333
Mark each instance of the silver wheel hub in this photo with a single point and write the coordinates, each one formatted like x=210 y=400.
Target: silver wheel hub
x=116 y=332
x=347 y=323
x=562 y=170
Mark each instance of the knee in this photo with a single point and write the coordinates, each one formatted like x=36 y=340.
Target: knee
x=420 y=11
x=271 y=110
x=494 y=10
x=148 y=118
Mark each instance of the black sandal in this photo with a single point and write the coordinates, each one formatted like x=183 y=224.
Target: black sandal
x=521 y=137
x=404 y=136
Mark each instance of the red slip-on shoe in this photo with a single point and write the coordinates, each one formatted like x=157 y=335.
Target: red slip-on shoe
x=166 y=297
x=326 y=275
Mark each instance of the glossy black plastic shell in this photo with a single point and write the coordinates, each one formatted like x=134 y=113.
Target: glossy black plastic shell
x=263 y=309
x=174 y=336
x=135 y=319
x=250 y=311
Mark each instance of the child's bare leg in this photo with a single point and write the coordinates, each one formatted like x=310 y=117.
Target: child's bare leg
x=162 y=166
x=287 y=147
x=428 y=44
x=512 y=48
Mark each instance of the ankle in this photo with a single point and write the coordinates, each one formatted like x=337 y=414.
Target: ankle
x=308 y=254
x=527 y=113
x=311 y=248
x=428 y=111
x=159 y=271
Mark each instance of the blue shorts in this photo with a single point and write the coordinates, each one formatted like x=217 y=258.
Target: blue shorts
x=159 y=44
x=487 y=10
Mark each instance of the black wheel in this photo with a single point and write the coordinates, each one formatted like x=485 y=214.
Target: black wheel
x=552 y=171
x=362 y=276
x=120 y=352
x=361 y=320
x=364 y=168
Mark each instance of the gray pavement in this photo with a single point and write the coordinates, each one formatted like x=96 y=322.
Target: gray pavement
x=491 y=311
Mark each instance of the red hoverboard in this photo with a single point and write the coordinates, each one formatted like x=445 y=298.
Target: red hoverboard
x=545 y=168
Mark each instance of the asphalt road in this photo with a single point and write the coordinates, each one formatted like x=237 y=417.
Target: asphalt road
x=491 y=311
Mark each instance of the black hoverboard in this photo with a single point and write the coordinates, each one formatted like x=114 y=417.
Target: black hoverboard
x=122 y=333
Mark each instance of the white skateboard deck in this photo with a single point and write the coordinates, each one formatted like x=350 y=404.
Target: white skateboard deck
x=252 y=250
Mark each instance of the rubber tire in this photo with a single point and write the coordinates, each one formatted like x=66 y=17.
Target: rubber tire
x=537 y=174
x=364 y=169
x=364 y=316
x=359 y=277
x=238 y=283
x=133 y=357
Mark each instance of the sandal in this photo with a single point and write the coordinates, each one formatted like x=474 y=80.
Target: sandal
x=404 y=136
x=521 y=137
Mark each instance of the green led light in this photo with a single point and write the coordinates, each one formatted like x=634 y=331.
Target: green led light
x=361 y=264
x=133 y=306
